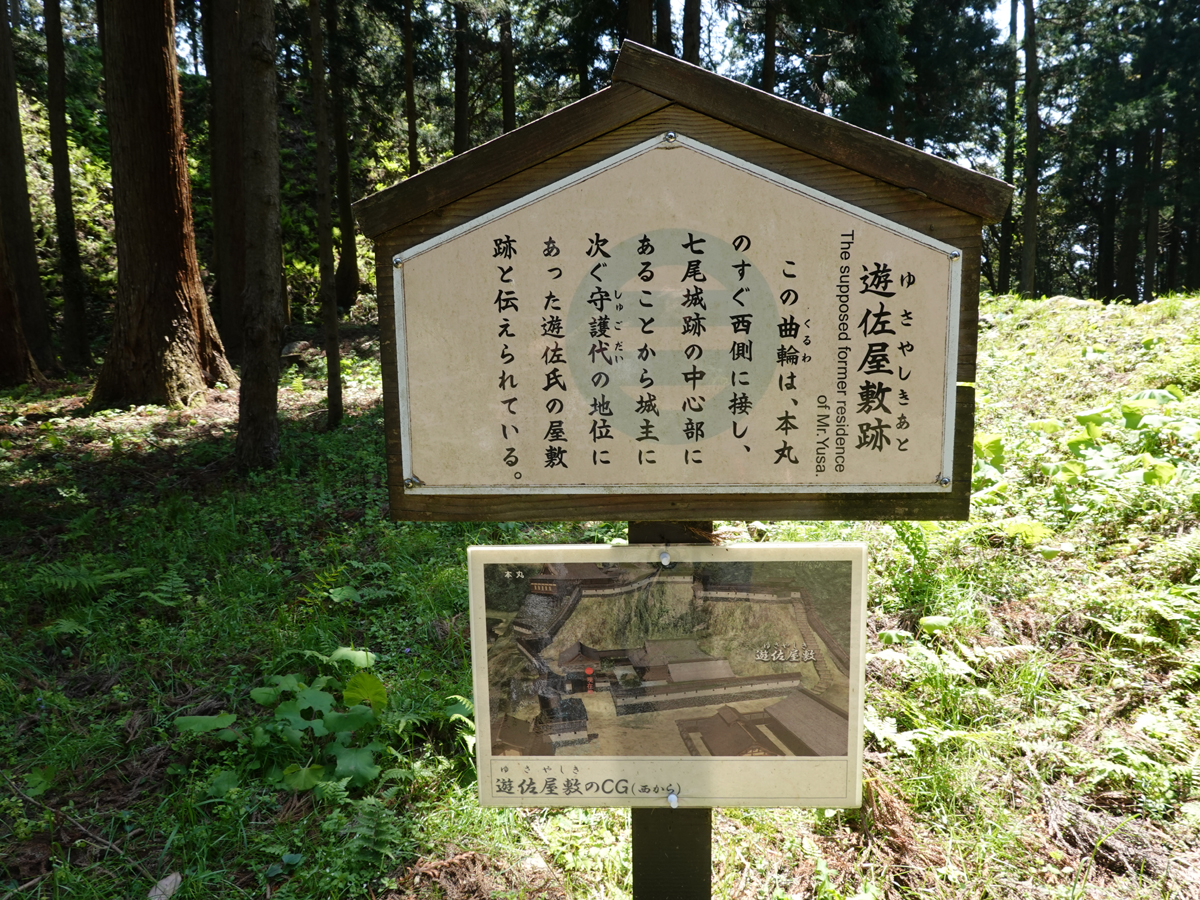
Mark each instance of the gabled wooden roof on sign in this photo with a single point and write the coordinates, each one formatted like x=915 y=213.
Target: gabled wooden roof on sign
x=644 y=81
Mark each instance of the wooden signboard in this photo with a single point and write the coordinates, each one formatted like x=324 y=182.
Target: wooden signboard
x=679 y=677
x=681 y=298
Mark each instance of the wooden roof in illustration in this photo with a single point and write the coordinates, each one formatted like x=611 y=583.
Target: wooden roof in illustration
x=645 y=81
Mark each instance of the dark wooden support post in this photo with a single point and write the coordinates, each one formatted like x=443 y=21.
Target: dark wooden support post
x=672 y=848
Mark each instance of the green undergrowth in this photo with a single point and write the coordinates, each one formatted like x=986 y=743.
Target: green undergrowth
x=262 y=684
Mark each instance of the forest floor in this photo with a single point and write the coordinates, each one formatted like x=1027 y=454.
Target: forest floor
x=259 y=686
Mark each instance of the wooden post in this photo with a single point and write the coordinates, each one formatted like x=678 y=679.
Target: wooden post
x=672 y=848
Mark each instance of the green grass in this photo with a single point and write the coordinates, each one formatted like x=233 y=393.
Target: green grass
x=1042 y=744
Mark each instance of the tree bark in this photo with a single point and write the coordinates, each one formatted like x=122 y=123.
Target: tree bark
x=16 y=222
x=462 y=78
x=346 y=280
x=329 y=312
x=1107 y=239
x=691 y=31
x=664 y=40
x=641 y=22
x=1132 y=222
x=1150 y=241
x=770 y=24
x=164 y=346
x=1029 y=204
x=508 y=73
x=262 y=303
x=16 y=363
x=1004 y=276
x=410 y=92
x=75 y=350
x=229 y=214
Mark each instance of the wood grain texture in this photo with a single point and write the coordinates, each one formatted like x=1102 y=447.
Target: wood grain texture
x=806 y=129
x=921 y=213
x=506 y=155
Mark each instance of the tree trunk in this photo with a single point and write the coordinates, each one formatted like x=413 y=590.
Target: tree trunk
x=641 y=22
x=346 y=280
x=262 y=303
x=329 y=312
x=16 y=363
x=1175 y=237
x=164 y=347
x=1150 y=241
x=462 y=76
x=770 y=25
x=664 y=40
x=1004 y=277
x=1134 y=197
x=1191 y=278
x=229 y=212
x=1029 y=204
x=508 y=73
x=691 y=31
x=75 y=350
x=410 y=92
x=16 y=221
x=1107 y=239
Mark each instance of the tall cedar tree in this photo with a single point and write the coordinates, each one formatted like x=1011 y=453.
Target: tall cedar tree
x=164 y=348
x=262 y=302
x=462 y=77
x=328 y=295
x=16 y=363
x=222 y=42
x=75 y=351
x=346 y=280
x=1029 y=201
x=16 y=222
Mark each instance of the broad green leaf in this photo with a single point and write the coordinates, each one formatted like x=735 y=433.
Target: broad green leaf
x=1068 y=472
x=344 y=595
x=359 y=716
x=265 y=696
x=38 y=781
x=302 y=779
x=364 y=687
x=1133 y=411
x=1161 y=396
x=1159 y=473
x=288 y=683
x=204 y=724
x=1079 y=442
x=311 y=698
x=1100 y=416
x=1047 y=426
x=990 y=448
x=934 y=624
x=360 y=658
x=292 y=859
x=460 y=709
x=895 y=636
x=222 y=783
x=356 y=763
x=1029 y=533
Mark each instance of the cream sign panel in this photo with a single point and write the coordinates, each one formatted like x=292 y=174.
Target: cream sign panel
x=676 y=316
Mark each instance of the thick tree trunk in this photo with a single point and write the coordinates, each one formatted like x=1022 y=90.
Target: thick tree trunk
x=1004 y=276
x=641 y=22
x=16 y=221
x=1029 y=202
x=664 y=40
x=164 y=346
x=691 y=31
x=462 y=78
x=770 y=25
x=508 y=73
x=410 y=92
x=346 y=280
x=262 y=303
x=16 y=363
x=229 y=212
x=75 y=350
x=329 y=312
x=1175 y=236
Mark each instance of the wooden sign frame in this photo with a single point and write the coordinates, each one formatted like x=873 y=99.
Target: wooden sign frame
x=653 y=94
